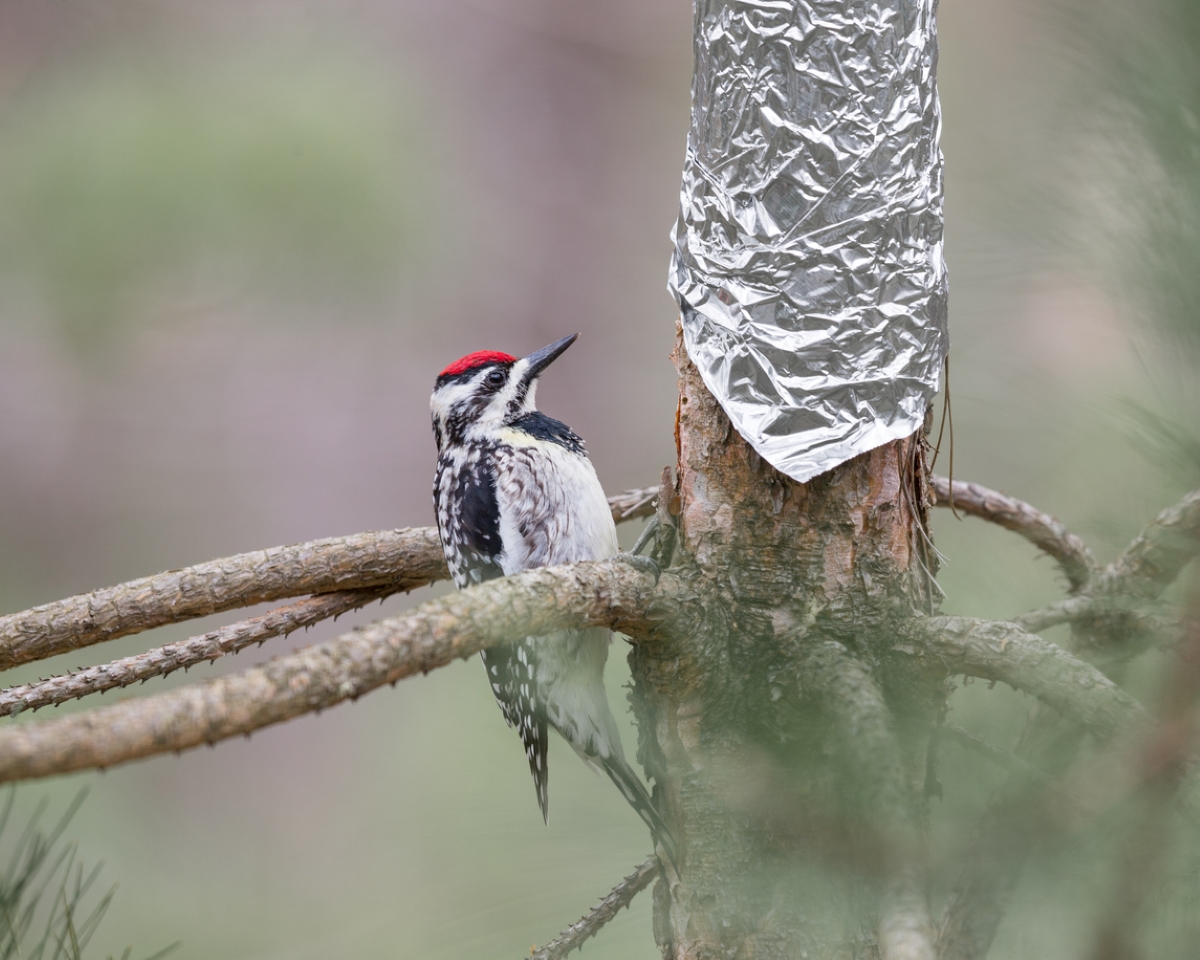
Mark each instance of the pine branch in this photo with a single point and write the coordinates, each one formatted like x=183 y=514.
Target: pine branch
x=398 y=559
x=611 y=593
x=589 y=925
x=994 y=650
x=1157 y=555
x=166 y=659
x=633 y=504
x=1114 y=600
x=1003 y=758
x=1117 y=626
x=1040 y=529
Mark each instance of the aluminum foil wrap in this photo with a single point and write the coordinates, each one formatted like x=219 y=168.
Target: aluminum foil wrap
x=808 y=252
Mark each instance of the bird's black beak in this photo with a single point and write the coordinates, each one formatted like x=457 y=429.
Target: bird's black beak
x=539 y=360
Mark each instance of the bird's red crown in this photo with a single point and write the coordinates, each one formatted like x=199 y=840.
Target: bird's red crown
x=477 y=359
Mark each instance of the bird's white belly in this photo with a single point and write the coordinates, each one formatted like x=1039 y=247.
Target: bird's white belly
x=570 y=679
x=552 y=509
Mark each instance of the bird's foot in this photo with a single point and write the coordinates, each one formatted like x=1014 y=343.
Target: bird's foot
x=642 y=564
x=649 y=533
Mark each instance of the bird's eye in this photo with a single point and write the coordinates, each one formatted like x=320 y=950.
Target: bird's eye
x=495 y=378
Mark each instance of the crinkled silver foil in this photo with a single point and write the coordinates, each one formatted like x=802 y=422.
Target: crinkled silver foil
x=808 y=251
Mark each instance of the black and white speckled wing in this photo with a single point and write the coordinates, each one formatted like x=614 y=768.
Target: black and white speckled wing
x=511 y=670
x=464 y=495
x=464 y=499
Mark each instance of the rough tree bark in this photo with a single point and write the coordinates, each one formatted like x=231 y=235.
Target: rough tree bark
x=784 y=724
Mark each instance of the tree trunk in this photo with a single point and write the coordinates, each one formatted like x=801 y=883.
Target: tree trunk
x=788 y=741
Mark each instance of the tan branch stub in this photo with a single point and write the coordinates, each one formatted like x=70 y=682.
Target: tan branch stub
x=590 y=924
x=166 y=659
x=994 y=650
x=610 y=593
x=1040 y=529
x=634 y=504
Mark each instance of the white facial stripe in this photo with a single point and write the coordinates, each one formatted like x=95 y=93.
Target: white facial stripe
x=509 y=393
x=443 y=400
x=512 y=388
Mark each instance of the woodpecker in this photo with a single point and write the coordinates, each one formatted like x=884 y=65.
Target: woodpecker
x=514 y=490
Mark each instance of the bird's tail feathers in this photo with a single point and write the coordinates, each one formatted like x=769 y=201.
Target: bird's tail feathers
x=535 y=736
x=639 y=798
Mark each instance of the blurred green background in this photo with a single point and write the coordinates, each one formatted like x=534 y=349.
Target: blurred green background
x=237 y=242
